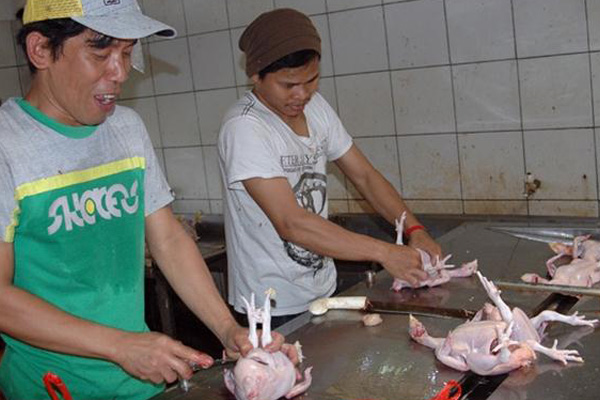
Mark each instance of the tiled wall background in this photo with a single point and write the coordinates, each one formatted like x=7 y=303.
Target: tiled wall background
x=453 y=100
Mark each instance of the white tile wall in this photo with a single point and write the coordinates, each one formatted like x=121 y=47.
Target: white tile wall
x=205 y=15
x=9 y=83
x=545 y=27
x=171 y=66
x=242 y=12
x=487 y=96
x=455 y=121
x=416 y=33
x=7 y=46
x=382 y=152
x=423 y=100
x=564 y=161
x=358 y=50
x=492 y=165
x=212 y=60
x=480 y=30
x=212 y=106
x=354 y=91
x=178 y=120
x=308 y=7
x=429 y=166
x=555 y=92
x=186 y=172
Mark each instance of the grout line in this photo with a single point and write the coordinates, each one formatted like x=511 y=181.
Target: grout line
x=452 y=80
x=587 y=23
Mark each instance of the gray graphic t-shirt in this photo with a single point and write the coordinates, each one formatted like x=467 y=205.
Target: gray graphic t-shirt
x=255 y=143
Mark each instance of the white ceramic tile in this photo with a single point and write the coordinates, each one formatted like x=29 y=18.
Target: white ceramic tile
x=565 y=163
x=496 y=207
x=171 y=66
x=327 y=90
x=178 y=120
x=597 y=135
x=139 y=84
x=185 y=172
x=545 y=27
x=435 y=206
x=322 y=25
x=25 y=76
x=205 y=15
x=336 y=183
x=595 y=58
x=564 y=208
x=213 y=174
x=243 y=12
x=480 y=30
x=492 y=165
x=212 y=60
x=416 y=33
x=9 y=83
x=487 y=96
x=429 y=166
x=170 y=12
x=148 y=111
x=365 y=103
x=20 y=54
x=555 y=92
x=337 y=206
x=191 y=206
x=360 y=207
x=216 y=206
x=308 y=7
x=337 y=5
x=239 y=58
x=358 y=50
x=383 y=155
x=212 y=106
x=423 y=100
x=7 y=45
x=593 y=13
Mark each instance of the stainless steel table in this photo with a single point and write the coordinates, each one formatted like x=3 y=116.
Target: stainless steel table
x=355 y=362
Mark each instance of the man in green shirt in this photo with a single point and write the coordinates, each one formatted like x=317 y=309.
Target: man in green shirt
x=80 y=193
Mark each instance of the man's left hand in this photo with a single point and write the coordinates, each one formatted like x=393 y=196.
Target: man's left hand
x=237 y=343
x=420 y=239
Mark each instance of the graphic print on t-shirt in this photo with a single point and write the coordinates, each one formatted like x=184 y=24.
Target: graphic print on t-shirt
x=311 y=194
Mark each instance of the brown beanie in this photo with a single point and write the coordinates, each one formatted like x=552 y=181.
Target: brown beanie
x=276 y=34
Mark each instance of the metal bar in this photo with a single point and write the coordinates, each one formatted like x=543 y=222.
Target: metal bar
x=540 y=287
x=399 y=308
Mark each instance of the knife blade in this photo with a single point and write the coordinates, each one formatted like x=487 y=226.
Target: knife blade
x=382 y=307
x=184 y=384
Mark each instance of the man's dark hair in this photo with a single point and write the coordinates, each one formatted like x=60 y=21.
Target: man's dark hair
x=294 y=60
x=58 y=31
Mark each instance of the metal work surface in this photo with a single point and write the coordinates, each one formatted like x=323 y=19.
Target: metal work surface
x=355 y=362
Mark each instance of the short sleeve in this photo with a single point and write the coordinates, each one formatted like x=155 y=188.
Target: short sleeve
x=246 y=152
x=8 y=205
x=339 y=139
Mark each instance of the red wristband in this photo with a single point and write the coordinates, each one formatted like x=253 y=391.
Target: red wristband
x=413 y=228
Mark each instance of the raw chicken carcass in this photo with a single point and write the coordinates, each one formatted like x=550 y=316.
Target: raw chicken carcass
x=583 y=270
x=497 y=340
x=439 y=272
x=262 y=375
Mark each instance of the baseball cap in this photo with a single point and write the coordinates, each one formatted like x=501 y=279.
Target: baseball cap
x=121 y=19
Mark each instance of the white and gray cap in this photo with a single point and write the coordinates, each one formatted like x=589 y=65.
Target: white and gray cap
x=121 y=19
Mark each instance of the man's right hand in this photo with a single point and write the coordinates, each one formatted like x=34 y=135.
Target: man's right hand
x=156 y=357
x=404 y=263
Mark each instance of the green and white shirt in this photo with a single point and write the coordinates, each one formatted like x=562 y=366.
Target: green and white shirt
x=73 y=202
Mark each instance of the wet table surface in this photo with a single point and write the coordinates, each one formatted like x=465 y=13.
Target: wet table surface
x=351 y=361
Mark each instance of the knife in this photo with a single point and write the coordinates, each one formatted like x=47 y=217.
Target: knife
x=184 y=384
